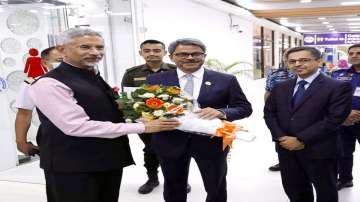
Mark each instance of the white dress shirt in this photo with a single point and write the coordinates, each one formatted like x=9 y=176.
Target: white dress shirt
x=309 y=80
x=197 y=78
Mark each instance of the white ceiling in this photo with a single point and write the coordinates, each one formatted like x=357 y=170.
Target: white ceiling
x=308 y=24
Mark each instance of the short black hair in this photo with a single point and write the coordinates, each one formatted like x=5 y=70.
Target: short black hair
x=313 y=51
x=46 y=52
x=186 y=41
x=354 y=46
x=152 y=41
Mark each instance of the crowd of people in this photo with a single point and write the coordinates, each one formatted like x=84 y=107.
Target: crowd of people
x=82 y=140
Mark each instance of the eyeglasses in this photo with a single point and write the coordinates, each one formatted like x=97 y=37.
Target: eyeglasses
x=186 y=55
x=301 y=61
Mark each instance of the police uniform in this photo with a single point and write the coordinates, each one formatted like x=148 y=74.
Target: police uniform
x=135 y=77
x=349 y=134
x=23 y=101
x=277 y=76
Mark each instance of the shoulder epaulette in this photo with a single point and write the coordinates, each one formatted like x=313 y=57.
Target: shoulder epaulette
x=29 y=80
x=133 y=68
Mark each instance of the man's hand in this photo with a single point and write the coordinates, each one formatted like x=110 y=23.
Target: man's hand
x=210 y=113
x=353 y=117
x=291 y=143
x=161 y=125
x=27 y=148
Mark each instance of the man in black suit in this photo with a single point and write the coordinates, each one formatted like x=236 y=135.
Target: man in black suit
x=303 y=115
x=219 y=95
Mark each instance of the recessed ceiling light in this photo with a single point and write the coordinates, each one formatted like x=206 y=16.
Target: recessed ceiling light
x=322 y=18
x=283 y=18
x=329 y=26
x=305 y=1
x=353 y=19
x=354 y=23
x=355 y=30
x=334 y=32
x=325 y=23
x=332 y=29
x=350 y=3
x=355 y=27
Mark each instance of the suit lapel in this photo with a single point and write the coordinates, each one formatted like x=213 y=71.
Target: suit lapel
x=313 y=88
x=289 y=93
x=206 y=85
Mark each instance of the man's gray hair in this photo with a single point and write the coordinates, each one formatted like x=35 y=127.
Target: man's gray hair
x=70 y=34
x=186 y=41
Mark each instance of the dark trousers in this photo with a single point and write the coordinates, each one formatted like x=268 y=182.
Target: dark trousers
x=150 y=158
x=176 y=171
x=349 y=135
x=84 y=187
x=299 y=174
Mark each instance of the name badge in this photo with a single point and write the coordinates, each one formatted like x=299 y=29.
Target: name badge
x=357 y=92
x=140 y=79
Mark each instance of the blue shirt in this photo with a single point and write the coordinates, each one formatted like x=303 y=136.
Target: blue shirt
x=350 y=75
x=277 y=76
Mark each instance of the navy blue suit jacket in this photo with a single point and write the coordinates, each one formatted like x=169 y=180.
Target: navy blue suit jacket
x=315 y=120
x=224 y=93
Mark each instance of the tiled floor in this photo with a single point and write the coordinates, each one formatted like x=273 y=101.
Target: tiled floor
x=248 y=178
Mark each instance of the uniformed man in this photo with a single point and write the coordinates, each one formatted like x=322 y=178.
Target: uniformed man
x=350 y=131
x=50 y=58
x=153 y=52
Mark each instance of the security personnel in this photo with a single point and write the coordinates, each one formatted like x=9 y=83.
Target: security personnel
x=153 y=52
x=350 y=131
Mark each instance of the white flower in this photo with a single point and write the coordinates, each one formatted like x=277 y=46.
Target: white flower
x=166 y=104
x=147 y=95
x=163 y=96
x=137 y=104
x=177 y=100
x=158 y=113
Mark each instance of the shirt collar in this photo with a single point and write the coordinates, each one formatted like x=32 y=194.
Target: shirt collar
x=197 y=74
x=310 y=78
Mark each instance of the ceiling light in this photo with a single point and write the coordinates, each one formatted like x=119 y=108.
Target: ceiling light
x=355 y=27
x=334 y=32
x=322 y=18
x=332 y=29
x=353 y=19
x=283 y=18
x=305 y=1
x=329 y=26
x=350 y=3
x=325 y=23
x=33 y=11
x=355 y=30
x=354 y=23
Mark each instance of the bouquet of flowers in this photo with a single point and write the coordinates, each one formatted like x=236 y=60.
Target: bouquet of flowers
x=151 y=102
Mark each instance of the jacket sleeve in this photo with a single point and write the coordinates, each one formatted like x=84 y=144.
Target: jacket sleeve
x=238 y=105
x=270 y=116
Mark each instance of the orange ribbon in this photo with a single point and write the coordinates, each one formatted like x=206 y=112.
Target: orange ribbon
x=227 y=132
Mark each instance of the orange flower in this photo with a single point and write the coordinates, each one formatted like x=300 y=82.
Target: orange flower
x=152 y=88
x=177 y=109
x=154 y=103
x=174 y=90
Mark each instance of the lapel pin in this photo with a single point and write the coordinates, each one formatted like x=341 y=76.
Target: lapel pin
x=208 y=83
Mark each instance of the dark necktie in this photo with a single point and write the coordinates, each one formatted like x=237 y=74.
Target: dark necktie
x=299 y=92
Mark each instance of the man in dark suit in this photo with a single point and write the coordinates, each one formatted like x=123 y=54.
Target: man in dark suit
x=303 y=115
x=219 y=96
